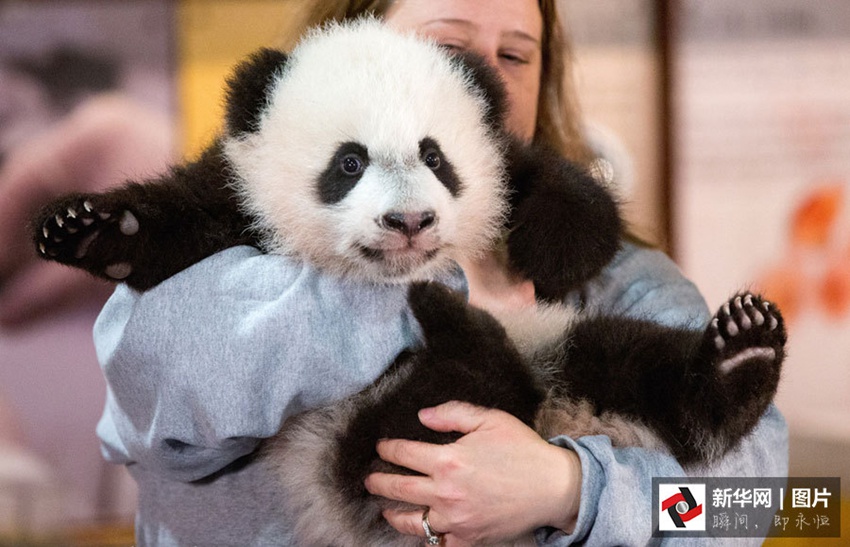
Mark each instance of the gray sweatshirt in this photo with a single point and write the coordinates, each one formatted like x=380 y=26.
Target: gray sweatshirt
x=204 y=366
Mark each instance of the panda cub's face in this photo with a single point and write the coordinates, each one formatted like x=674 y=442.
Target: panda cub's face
x=373 y=157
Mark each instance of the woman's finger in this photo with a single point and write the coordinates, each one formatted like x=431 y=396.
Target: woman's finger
x=410 y=522
x=457 y=416
x=417 y=490
x=414 y=455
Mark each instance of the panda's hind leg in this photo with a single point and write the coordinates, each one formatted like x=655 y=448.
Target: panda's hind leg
x=742 y=349
x=701 y=392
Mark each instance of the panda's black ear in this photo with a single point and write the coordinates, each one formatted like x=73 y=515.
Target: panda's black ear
x=489 y=82
x=248 y=89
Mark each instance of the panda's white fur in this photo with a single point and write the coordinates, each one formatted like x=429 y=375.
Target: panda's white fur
x=419 y=93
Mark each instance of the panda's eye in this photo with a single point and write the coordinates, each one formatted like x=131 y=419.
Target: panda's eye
x=432 y=159
x=351 y=164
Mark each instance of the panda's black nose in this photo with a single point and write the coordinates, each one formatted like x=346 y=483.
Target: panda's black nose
x=408 y=224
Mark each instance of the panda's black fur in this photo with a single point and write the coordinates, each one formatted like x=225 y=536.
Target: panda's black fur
x=693 y=393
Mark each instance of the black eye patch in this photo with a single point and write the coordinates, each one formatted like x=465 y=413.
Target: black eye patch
x=432 y=156
x=344 y=170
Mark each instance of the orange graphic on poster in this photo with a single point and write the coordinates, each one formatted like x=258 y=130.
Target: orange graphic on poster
x=816 y=267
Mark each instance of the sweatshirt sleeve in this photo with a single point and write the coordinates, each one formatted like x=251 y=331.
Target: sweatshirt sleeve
x=203 y=366
x=616 y=492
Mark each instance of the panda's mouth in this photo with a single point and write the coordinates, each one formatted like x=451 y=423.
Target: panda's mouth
x=398 y=257
x=399 y=262
x=393 y=256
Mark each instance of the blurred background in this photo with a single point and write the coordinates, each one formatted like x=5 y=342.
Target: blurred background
x=724 y=124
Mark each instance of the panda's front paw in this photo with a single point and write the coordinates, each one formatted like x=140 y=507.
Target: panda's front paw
x=82 y=232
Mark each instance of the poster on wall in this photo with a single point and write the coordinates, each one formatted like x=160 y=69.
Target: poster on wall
x=762 y=191
x=617 y=76
x=87 y=99
x=56 y=54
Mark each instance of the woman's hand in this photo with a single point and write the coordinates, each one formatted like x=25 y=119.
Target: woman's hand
x=497 y=482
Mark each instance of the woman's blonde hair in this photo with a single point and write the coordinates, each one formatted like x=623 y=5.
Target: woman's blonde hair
x=558 y=116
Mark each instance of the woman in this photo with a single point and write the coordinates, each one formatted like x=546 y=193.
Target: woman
x=187 y=427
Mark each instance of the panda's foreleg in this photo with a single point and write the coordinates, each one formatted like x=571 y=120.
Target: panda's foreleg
x=142 y=233
x=564 y=225
x=700 y=392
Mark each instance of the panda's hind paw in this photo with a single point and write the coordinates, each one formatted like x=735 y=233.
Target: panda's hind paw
x=745 y=347
x=737 y=372
x=746 y=328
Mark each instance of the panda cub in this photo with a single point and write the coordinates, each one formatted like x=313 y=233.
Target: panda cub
x=377 y=156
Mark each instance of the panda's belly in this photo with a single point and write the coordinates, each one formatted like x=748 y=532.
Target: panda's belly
x=541 y=333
